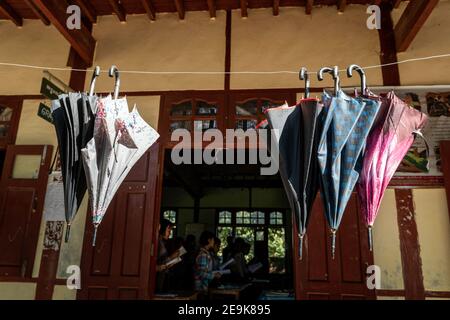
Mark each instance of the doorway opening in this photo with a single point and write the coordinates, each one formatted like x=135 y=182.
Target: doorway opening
x=240 y=207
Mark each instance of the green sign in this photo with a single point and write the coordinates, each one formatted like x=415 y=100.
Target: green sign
x=45 y=113
x=50 y=90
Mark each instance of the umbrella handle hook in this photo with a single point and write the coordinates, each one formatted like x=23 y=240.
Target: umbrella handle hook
x=362 y=74
x=114 y=72
x=303 y=75
x=335 y=73
x=95 y=75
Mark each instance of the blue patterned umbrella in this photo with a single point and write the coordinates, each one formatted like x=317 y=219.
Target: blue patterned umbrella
x=345 y=129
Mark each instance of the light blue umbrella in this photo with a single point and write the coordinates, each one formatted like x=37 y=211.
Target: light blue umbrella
x=346 y=126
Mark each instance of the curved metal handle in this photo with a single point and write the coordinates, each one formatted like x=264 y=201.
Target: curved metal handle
x=335 y=73
x=362 y=74
x=114 y=72
x=94 y=79
x=303 y=75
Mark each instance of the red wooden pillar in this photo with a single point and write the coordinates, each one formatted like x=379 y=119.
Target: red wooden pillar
x=409 y=246
x=445 y=165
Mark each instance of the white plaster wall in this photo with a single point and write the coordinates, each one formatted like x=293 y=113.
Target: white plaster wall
x=264 y=42
x=168 y=44
x=432 y=39
x=33 y=44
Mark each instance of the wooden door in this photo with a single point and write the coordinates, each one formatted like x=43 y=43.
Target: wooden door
x=118 y=267
x=10 y=108
x=22 y=195
x=318 y=275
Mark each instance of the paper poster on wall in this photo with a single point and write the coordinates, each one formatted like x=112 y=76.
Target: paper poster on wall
x=54 y=198
x=435 y=103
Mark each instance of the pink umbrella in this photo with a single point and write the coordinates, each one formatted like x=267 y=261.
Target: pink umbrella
x=387 y=145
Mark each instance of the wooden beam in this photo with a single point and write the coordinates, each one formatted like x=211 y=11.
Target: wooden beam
x=409 y=246
x=212 y=8
x=396 y=3
x=412 y=19
x=445 y=165
x=308 y=6
x=244 y=13
x=341 y=4
x=88 y=9
x=8 y=11
x=180 y=8
x=81 y=40
x=37 y=12
x=388 y=53
x=118 y=10
x=149 y=8
x=276 y=7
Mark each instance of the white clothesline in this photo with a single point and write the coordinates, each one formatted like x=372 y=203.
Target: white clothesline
x=18 y=65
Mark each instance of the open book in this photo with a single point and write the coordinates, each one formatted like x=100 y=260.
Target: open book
x=226 y=264
x=255 y=267
x=172 y=262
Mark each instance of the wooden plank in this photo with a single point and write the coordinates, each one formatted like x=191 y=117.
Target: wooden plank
x=149 y=8
x=409 y=246
x=88 y=9
x=37 y=12
x=445 y=165
x=212 y=8
x=395 y=3
x=308 y=6
x=276 y=7
x=81 y=40
x=8 y=11
x=342 y=4
x=388 y=54
x=244 y=12
x=180 y=8
x=411 y=21
x=118 y=10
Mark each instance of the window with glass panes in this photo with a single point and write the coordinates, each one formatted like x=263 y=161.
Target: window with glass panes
x=261 y=225
x=170 y=215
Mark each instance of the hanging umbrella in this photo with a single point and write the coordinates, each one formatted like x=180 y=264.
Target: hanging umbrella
x=73 y=116
x=346 y=126
x=296 y=135
x=120 y=139
x=387 y=145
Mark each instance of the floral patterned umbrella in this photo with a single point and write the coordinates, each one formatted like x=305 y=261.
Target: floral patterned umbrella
x=120 y=139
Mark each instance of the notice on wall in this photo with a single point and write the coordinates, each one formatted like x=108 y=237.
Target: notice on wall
x=54 y=198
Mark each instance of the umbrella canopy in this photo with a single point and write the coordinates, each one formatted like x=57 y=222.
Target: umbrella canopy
x=387 y=145
x=296 y=132
x=346 y=126
x=73 y=116
x=120 y=139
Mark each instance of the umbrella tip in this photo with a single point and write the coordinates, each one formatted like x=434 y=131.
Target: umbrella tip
x=370 y=238
x=67 y=233
x=94 y=240
x=333 y=242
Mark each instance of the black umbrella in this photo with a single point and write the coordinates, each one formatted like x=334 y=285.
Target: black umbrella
x=296 y=135
x=74 y=115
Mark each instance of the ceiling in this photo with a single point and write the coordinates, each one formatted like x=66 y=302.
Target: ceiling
x=25 y=10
